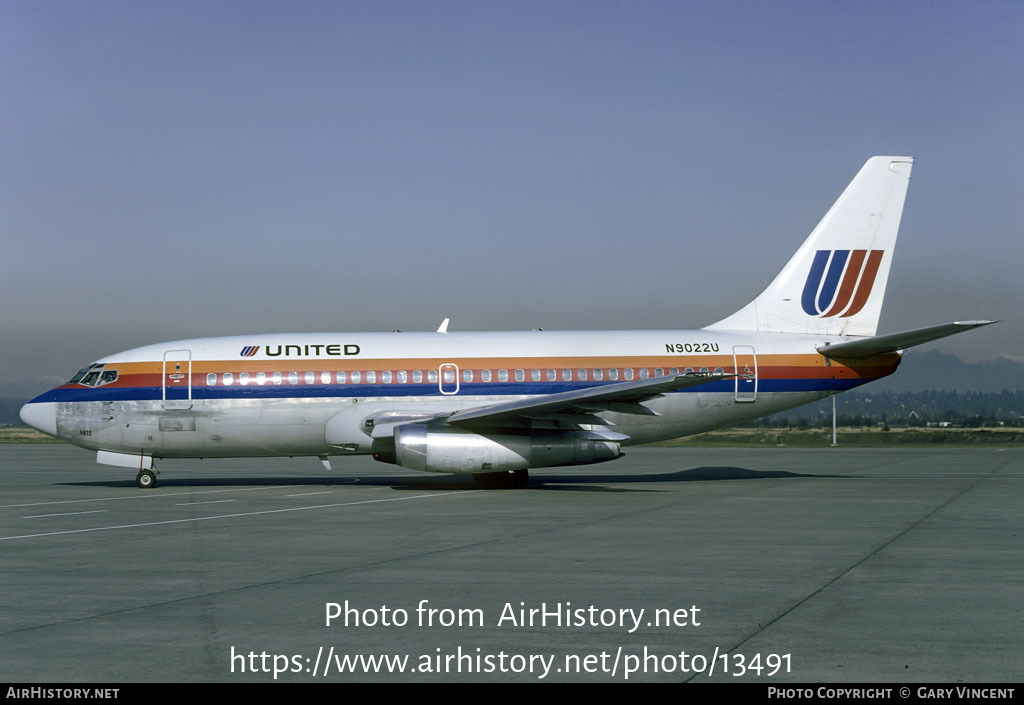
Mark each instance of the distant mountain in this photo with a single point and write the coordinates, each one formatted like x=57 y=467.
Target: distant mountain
x=921 y=371
x=9 y=410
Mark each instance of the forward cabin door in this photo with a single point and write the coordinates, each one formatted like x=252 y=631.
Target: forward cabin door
x=745 y=360
x=177 y=379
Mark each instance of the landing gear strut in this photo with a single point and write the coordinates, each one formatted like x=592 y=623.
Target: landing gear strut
x=145 y=480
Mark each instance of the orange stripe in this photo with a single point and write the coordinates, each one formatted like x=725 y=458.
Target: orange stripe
x=849 y=281
x=334 y=365
x=769 y=367
x=867 y=281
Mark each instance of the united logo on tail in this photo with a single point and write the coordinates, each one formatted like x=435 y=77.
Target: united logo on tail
x=250 y=350
x=840 y=282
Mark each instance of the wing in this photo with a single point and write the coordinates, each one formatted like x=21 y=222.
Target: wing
x=560 y=410
x=579 y=406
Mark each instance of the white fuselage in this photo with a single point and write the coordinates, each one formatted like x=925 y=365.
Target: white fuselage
x=311 y=394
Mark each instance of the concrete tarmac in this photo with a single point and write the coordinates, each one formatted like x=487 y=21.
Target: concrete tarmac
x=830 y=565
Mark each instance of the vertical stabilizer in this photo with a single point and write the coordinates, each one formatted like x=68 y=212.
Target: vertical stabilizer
x=835 y=283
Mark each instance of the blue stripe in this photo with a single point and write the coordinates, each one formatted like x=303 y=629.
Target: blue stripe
x=813 y=279
x=835 y=272
x=726 y=386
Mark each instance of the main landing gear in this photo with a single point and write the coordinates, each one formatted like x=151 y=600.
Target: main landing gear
x=510 y=480
x=145 y=480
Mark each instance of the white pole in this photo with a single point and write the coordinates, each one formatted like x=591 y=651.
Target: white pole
x=834 y=420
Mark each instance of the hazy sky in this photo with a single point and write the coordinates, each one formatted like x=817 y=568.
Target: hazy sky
x=179 y=169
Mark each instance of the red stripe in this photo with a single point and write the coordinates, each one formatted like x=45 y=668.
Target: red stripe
x=866 y=283
x=849 y=282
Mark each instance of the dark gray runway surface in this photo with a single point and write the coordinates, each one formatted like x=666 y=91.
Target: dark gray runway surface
x=833 y=564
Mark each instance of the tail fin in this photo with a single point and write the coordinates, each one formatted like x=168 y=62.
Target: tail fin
x=835 y=283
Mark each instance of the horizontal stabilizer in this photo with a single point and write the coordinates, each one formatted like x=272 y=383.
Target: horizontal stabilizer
x=893 y=342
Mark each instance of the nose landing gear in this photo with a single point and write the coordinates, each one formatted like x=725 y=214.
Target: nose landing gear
x=145 y=480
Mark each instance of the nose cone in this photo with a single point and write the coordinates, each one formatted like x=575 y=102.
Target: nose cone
x=40 y=415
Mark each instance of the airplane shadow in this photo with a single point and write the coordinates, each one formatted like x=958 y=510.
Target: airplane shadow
x=552 y=482
x=595 y=482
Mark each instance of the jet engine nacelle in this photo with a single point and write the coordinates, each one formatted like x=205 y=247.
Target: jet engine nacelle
x=452 y=450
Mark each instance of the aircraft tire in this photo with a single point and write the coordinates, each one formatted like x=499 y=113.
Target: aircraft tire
x=145 y=480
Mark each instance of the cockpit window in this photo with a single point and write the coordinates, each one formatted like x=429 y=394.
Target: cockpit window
x=95 y=376
x=78 y=378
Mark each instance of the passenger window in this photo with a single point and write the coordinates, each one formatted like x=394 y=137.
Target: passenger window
x=276 y=378
x=385 y=377
x=229 y=379
x=598 y=375
x=211 y=380
x=417 y=376
x=566 y=375
x=449 y=375
x=719 y=371
x=688 y=371
x=403 y=377
x=629 y=373
x=659 y=372
x=552 y=376
x=243 y=378
x=674 y=371
x=309 y=378
x=293 y=378
x=432 y=376
x=503 y=375
x=535 y=375
x=703 y=370
x=644 y=373
x=356 y=377
x=342 y=378
x=613 y=373
x=520 y=375
x=371 y=377
x=581 y=375
x=485 y=375
x=261 y=378
x=467 y=375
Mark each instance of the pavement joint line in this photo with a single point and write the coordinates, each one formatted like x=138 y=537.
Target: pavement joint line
x=373 y=564
x=398 y=559
x=872 y=554
x=157 y=495
x=212 y=501
x=64 y=514
x=227 y=516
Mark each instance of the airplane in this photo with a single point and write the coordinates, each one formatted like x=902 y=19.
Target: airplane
x=496 y=404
